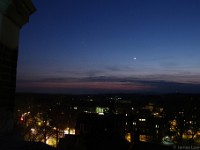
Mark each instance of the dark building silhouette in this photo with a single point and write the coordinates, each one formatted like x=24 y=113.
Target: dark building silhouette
x=92 y=123
x=94 y=131
x=13 y=15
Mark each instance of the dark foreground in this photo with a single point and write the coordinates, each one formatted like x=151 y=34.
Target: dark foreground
x=11 y=143
x=14 y=143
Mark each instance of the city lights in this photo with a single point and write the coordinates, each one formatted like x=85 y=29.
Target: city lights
x=150 y=121
x=69 y=131
x=142 y=119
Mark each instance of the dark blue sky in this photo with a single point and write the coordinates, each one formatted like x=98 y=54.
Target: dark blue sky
x=83 y=46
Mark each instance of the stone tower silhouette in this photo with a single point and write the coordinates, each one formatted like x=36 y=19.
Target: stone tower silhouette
x=13 y=15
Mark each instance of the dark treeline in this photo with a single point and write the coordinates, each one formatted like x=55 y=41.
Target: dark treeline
x=171 y=101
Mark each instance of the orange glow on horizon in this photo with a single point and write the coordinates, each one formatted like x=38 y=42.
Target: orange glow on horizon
x=88 y=85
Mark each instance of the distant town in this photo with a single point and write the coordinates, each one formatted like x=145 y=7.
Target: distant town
x=167 y=119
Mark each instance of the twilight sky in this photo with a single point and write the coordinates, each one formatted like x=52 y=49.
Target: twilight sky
x=95 y=46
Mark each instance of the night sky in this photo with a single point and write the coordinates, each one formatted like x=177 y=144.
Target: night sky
x=97 y=46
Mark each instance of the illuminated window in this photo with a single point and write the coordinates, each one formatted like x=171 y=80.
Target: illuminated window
x=144 y=138
x=66 y=131
x=134 y=123
x=72 y=131
x=101 y=113
x=69 y=131
x=142 y=119
x=156 y=131
x=101 y=110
